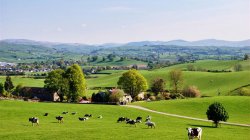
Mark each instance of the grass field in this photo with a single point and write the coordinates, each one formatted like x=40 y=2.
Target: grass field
x=30 y=82
x=14 y=124
x=238 y=107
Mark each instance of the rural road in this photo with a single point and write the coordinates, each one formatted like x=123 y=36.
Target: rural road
x=180 y=116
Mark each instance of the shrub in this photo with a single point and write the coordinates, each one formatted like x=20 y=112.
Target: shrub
x=152 y=98
x=160 y=97
x=191 y=91
x=116 y=95
x=244 y=92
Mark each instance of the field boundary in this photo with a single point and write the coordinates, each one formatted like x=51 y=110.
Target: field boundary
x=180 y=116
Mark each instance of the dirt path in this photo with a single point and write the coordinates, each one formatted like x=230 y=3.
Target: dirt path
x=180 y=116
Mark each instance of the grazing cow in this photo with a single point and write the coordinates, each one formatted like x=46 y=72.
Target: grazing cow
x=194 y=133
x=100 y=117
x=139 y=119
x=46 y=114
x=73 y=113
x=34 y=120
x=150 y=124
x=131 y=122
x=148 y=118
x=82 y=119
x=121 y=119
x=65 y=112
x=60 y=119
x=88 y=115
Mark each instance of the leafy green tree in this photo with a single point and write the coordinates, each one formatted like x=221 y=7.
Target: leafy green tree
x=176 y=80
x=77 y=83
x=132 y=82
x=18 y=89
x=8 y=85
x=246 y=57
x=56 y=82
x=158 y=85
x=216 y=112
x=2 y=90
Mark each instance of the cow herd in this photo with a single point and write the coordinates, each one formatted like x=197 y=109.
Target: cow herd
x=192 y=132
x=148 y=121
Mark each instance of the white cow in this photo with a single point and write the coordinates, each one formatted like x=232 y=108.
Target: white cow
x=194 y=133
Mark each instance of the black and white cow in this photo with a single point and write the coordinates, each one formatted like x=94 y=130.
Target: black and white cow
x=88 y=115
x=82 y=119
x=34 y=120
x=139 y=119
x=60 y=119
x=121 y=119
x=131 y=122
x=194 y=133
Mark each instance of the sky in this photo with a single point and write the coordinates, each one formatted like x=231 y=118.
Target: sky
x=120 y=21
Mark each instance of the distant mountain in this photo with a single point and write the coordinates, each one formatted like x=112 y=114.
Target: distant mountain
x=206 y=42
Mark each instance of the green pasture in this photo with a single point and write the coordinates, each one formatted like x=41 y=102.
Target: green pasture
x=14 y=124
x=238 y=107
x=30 y=82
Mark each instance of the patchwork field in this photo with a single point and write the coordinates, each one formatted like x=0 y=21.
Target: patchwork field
x=14 y=123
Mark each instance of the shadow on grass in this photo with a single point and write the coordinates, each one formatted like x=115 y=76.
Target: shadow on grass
x=201 y=126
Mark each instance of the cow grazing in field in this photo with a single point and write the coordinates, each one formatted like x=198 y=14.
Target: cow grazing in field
x=148 y=118
x=65 y=112
x=99 y=117
x=194 y=133
x=150 y=124
x=131 y=122
x=46 y=114
x=88 y=115
x=34 y=120
x=139 y=119
x=73 y=113
x=121 y=119
x=82 y=119
x=60 y=119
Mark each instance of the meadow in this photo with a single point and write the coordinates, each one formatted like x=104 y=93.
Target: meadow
x=14 y=123
x=236 y=106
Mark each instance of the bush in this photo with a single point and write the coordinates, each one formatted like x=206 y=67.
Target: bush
x=244 y=92
x=152 y=98
x=191 y=91
x=160 y=97
x=116 y=95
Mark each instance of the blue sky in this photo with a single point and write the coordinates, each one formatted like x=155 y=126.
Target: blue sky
x=103 y=21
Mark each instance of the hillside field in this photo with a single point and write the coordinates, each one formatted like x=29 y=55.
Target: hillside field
x=14 y=123
x=238 y=107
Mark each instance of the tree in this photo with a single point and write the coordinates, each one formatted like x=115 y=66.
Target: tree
x=8 y=85
x=18 y=89
x=176 y=80
x=246 y=57
x=216 y=112
x=238 y=67
x=77 y=83
x=116 y=95
x=158 y=85
x=56 y=82
x=2 y=91
x=191 y=91
x=132 y=82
